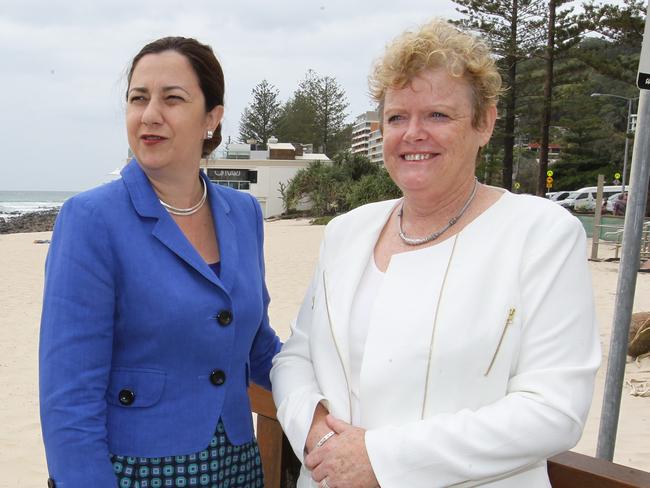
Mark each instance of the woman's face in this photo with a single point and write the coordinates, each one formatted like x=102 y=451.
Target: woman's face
x=430 y=145
x=166 y=119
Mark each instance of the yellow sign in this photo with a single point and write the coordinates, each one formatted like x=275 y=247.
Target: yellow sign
x=617 y=176
x=517 y=185
x=549 y=180
x=549 y=173
x=549 y=185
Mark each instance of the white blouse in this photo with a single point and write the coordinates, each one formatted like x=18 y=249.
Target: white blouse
x=360 y=314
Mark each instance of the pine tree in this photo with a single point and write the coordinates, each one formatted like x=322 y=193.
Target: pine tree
x=330 y=103
x=315 y=114
x=260 y=119
x=513 y=29
x=564 y=31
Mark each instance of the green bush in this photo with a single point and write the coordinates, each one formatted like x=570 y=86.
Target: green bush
x=336 y=187
x=373 y=188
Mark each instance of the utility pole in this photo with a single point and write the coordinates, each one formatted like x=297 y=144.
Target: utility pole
x=635 y=212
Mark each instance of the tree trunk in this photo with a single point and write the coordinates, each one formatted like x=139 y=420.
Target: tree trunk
x=548 y=95
x=509 y=134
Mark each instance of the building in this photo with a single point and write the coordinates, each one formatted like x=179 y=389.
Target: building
x=261 y=173
x=363 y=126
x=553 y=151
x=376 y=147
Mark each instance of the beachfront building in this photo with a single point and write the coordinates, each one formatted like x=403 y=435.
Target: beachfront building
x=376 y=147
x=363 y=126
x=367 y=138
x=260 y=173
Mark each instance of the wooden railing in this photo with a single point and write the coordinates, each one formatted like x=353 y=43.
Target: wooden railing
x=567 y=470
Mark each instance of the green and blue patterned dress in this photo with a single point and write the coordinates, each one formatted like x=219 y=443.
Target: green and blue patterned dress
x=220 y=465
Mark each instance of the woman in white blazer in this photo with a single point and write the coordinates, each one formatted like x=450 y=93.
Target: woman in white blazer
x=448 y=338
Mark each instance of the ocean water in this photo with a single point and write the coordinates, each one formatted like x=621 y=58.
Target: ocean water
x=14 y=203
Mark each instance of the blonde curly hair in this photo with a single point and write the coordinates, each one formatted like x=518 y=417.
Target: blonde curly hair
x=437 y=44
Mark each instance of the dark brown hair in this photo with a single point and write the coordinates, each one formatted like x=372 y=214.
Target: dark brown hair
x=207 y=69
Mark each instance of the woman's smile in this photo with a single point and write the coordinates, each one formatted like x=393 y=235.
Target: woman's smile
x=418 y=156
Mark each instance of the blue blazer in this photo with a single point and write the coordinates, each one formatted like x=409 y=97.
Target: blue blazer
x=143 y=348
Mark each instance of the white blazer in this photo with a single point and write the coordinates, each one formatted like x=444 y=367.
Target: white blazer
x=474 y=382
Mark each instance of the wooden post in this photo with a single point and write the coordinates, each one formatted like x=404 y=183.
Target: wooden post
x=279 y=463
x=595 y=230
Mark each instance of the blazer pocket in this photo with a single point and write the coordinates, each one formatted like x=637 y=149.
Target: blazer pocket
x=135 y=387
x=507 y=323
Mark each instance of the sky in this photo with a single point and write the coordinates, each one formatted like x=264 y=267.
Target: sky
x=63 y=68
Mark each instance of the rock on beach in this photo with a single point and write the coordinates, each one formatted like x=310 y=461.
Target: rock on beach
x=29 y=222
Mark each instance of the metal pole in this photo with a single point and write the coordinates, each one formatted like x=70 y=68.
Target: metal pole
x=639 y=175
x=627 y=141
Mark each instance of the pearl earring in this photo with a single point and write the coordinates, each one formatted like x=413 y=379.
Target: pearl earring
x=209 y=134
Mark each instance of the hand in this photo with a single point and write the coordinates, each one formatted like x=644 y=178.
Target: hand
x=342 y=460
x=318 y=428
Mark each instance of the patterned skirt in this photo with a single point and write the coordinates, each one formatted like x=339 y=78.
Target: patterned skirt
x=220 y=465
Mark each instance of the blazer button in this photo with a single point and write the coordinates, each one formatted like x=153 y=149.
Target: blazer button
x=127 y=397
x=217 y=377
x=51 y=483
x=224 y=317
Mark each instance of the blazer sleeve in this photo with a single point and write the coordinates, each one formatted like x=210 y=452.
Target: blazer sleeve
x=75 y=348
x=548 y=394
x=295 y=388
x=266 y=343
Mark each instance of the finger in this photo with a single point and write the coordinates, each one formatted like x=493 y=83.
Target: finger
x=318 y=473
x=337 y=425
x=314 y=458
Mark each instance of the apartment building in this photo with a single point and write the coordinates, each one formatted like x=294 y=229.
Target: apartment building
x=366 y=137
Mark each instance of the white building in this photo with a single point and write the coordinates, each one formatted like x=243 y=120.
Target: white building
x=260 y=172
x=363 y=125
x=376 y=147
x=366 y=137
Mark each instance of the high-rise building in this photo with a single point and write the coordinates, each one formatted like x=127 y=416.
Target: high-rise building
x=363 y=126
x=376 y=147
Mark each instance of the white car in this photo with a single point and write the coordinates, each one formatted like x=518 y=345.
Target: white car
x=584 y=199
x=558 y=196
x=610 y=203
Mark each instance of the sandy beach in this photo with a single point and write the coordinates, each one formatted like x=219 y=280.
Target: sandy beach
x=291 y=253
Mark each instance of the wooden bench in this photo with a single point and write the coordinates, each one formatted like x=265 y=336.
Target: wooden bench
x=566 y=470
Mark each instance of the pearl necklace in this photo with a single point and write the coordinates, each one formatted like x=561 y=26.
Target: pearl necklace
x=190 y=210
x=416 y=241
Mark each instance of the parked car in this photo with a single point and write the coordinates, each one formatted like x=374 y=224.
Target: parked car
x=609 y=208
x=584 y=199
x=558 y=196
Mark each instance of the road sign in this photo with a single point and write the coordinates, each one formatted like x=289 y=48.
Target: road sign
x=517 y=185
x=617 y=176
x=549 y=173
x=616 y=182
x=549 y=186
x=549 y=180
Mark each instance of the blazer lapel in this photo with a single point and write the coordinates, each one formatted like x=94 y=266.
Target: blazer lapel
x=341 y=275
x=226 y=235
x=146 y=204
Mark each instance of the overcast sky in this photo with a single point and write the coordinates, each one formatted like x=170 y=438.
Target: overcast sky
x=63 y=63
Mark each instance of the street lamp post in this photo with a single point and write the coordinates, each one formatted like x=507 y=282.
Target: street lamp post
x=627 y=130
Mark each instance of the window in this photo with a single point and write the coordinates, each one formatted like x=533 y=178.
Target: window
x=237 y=185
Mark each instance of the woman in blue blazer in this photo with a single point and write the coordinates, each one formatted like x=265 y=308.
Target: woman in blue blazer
x=155 y=309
